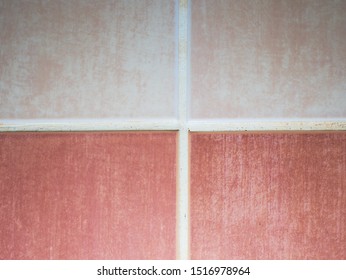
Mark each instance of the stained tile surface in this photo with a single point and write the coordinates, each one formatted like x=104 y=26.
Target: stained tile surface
x=268 y=59
x=87 y=59
x=268 y=196
x=87 y=195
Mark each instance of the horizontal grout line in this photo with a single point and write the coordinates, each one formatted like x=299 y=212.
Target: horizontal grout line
x=194 y=126
x=258 y=125
x=86 y=125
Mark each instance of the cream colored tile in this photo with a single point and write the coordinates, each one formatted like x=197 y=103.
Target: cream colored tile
x=87 y=59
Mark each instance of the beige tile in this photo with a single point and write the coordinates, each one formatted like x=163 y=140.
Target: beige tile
x=268 y=59
x=87 y=59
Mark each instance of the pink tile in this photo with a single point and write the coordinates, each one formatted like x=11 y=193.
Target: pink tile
x=268 y=195
x=88 y=195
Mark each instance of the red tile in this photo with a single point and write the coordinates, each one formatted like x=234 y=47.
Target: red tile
x=88 y=195
x=268 y=196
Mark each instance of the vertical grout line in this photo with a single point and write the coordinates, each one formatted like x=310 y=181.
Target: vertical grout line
x=183 y=185
x=188 y=65
x=183 y=197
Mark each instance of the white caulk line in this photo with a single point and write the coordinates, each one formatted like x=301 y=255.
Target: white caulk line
x=183 y=146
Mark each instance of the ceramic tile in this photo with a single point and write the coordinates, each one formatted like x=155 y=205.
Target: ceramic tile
x=88 y=195
x=268 y=59
x=87 y=59
x=268 y=195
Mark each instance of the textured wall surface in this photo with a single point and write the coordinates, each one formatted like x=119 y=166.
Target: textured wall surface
x=87 y=59
x=268 y=59
x=87 y=195
x=268 y=196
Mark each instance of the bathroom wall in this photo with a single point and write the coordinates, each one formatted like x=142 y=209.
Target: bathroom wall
x=116 y=195
x=268 y=195
x=87 y=195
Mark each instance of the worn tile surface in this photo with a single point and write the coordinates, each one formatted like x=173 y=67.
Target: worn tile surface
x=87 y=195
x=87 y=59
x=268 y=59
x=268 y=196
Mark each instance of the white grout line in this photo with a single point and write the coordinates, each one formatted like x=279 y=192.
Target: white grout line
x=268 y=125
x=183 y=196
x=86 y=125
x=195 y=126
x=183 y=163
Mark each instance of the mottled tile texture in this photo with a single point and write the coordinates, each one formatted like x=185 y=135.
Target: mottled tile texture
x=268 y=59
x=87 y=195
x=268 y=196
x=87 y=59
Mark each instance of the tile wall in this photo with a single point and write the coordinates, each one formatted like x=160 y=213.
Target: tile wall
x=113 y=195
